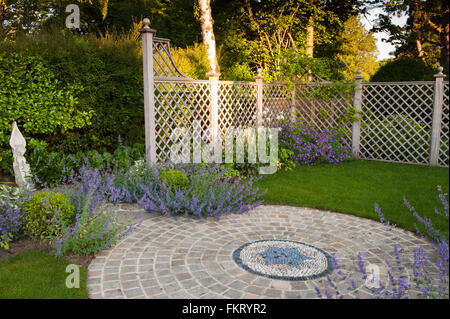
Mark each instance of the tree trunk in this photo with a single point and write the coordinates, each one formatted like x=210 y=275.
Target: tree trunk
x=310 y=33
x=444 y=35
x=420 y=53
x=310 y=45
x=208 y=34
x=310 y=39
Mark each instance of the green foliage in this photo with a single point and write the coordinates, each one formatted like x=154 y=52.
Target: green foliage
x=139 y=168
x=257 y=33
x=192 y=61
x=423 y=35
x=356 y=50
x=5 y=240
x=403 y=69
x=53 y=168
x=41 y=210
x=285 y=158
x=174 y=178
x=297 y=67
x=12 y=195
x=41 y=104
x=238 y=72
x=82 y=93
x=230 y=171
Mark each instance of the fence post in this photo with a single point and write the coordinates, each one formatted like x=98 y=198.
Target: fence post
x=214 y=103
x=437 y=117
x=259 y=97
x=149 y=92
x=293 y=109
x=356 y=125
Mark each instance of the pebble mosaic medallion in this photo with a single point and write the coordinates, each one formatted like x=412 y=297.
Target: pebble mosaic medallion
x=283 y=259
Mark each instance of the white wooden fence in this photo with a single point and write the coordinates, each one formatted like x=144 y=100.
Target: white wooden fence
x=405 y=122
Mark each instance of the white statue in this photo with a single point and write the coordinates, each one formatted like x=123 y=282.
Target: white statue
x=20 y=166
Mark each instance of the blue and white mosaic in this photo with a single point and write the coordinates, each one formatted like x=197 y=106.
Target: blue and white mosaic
x=283 y=259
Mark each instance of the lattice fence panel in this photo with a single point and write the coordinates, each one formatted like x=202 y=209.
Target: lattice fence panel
x=179 y=104
x=330 y=113
x=396 y=121
x=163 y=64
x=237 y=105
x=445 y=138
x=277 y=101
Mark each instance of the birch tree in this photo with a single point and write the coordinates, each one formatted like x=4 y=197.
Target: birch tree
x=209 y=40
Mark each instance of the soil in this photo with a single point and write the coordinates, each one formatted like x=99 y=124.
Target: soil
x=6 y=179
x=26 y=244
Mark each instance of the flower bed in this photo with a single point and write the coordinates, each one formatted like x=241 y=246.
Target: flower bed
x=301 y=143
x=74 y=216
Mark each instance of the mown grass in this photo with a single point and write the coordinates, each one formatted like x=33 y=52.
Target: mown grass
x=36 y=275
x=354 y=187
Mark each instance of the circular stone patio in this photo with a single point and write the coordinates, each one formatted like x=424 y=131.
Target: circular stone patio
x=187 y=258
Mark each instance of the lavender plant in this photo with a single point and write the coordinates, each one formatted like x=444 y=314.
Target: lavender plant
x=305 y=144
x=430 y=273
x=11 y=223
x=96 y=227
x=12 y=213
x=211 y=192
x=91 y=233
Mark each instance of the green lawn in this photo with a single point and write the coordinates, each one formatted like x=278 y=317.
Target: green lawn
x=354 y=187
x=35 y=274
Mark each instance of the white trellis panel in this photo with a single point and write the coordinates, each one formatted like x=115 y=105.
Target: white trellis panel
x=177 y=105
x=163 y=65
x=237 y=104
x=396 y=121
x=324 y=113
x=277 y=101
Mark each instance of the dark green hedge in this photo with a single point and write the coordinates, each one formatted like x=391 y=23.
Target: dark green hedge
x=96 y=83
x=404 y=69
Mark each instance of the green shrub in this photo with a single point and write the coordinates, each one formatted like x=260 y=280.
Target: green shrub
x=52 y=168
x=31 y=95
x=192 y=61
x=174 y=178
x=404 y=69
x=41 y=211
x=239 y=72
x=76 y=93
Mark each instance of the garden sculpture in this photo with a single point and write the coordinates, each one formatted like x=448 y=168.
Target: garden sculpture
x=20 y=166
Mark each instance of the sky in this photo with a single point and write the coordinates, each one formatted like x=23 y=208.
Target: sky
x=383 y=48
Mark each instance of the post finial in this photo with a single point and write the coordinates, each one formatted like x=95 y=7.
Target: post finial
x=259 y=74
x=358 y=75
x=440 y=74
x=146 y=28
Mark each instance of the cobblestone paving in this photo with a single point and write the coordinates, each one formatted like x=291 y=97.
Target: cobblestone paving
x=187 y=258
